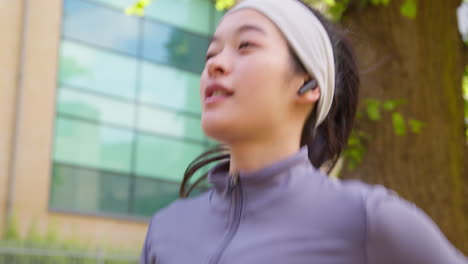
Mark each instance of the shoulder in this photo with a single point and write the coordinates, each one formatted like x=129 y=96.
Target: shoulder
x=358 y=192
x=179 y=210
x=397 y=231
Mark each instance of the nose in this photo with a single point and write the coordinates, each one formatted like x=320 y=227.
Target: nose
x=218 y=65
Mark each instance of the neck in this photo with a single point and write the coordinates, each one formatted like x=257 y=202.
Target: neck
x=252 y=156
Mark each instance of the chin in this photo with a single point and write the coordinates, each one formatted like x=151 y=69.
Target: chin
x=215 y=130
x=220 y=130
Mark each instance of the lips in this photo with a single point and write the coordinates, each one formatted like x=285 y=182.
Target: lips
x=217 y=92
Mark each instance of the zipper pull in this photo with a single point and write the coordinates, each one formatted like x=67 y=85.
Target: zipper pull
x=232 y=184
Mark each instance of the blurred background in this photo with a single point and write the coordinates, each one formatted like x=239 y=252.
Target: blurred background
x=100 y=115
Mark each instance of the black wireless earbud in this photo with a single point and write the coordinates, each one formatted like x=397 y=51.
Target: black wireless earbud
x=310 y=85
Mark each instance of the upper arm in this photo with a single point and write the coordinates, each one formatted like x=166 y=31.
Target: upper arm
x=145 y=252
x=400 y=232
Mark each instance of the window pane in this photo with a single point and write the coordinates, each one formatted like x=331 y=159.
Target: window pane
x=92 y=145
x=169 y=123
x=164 y=158
x=87 y=190
x=101 y=26
x=95 y=70
x=166 y=86
x=171 y=46
x=193 y=15
x=217 y=18
x=94 y=107
x=152 y=195
x=121 y=4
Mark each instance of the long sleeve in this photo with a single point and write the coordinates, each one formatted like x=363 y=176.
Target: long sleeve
x=145 y=252
x=400 y=232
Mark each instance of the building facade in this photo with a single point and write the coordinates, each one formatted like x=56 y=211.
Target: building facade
x=100 y=112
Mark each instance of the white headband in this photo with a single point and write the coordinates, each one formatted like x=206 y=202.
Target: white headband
x=308 y=38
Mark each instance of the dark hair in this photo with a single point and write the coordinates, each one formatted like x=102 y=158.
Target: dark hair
x=327 y=141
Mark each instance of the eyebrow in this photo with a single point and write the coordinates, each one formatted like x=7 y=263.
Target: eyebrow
x=241 y=29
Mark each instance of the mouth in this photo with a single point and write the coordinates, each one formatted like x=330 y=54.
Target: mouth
x=216 y=93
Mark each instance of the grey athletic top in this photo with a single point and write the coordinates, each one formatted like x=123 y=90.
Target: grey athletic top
x=290 y=212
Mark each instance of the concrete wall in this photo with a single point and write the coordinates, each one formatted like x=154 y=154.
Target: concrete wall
x=35 y=118
x=10 y=26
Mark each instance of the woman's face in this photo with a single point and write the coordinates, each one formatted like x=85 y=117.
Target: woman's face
x=248 y=87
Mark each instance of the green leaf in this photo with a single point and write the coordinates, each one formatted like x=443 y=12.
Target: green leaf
x=398 y=124
x=336 y=11
x=353 y=141
x=378 y=2
x=389 y=105
x=409 y=8
x=138 y=8
x=373 y=109
x=224 y=4
x=416 y=125
x=330 y=2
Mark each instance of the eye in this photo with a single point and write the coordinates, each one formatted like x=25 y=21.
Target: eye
x=245 y=44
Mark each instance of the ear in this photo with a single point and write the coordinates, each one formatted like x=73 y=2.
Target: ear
x=310 y=96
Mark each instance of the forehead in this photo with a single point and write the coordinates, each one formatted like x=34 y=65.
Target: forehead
x=234 y=20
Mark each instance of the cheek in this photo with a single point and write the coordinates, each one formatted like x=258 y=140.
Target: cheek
x=262 y=81
x=202 y=83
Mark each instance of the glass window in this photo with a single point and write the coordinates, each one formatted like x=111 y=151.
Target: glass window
x=169 y=87
x=193 y=15
x=94 y=107
x=128 y=105
x=217 y=18
x=101 y=26
x=164 y=158
x=96 y=70
x=170 y=123
x=92 y=145
x=169 y=45
x=120 y=4
x=87 y=190
x=152 y=194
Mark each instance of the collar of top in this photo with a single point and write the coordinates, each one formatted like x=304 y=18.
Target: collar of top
x=264 y=179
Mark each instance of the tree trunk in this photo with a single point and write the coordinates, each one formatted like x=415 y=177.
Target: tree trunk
x=419 y=60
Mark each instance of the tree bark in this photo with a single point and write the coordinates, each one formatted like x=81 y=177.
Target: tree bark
x=420 y=60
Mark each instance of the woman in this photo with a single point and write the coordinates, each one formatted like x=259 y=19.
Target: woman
x=279 y=90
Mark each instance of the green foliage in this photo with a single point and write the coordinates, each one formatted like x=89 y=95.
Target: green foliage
x=51 y=235
x=380 y=2
x=399 y=125
x=390 y=105
x=356 y=148
x=332 y=9
x=66 y=251
x=374 y=110
x=11 y=232
x=409 y=8
x=138 y=8
x=416 y=126
x=33 y=237
x=224 y=4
